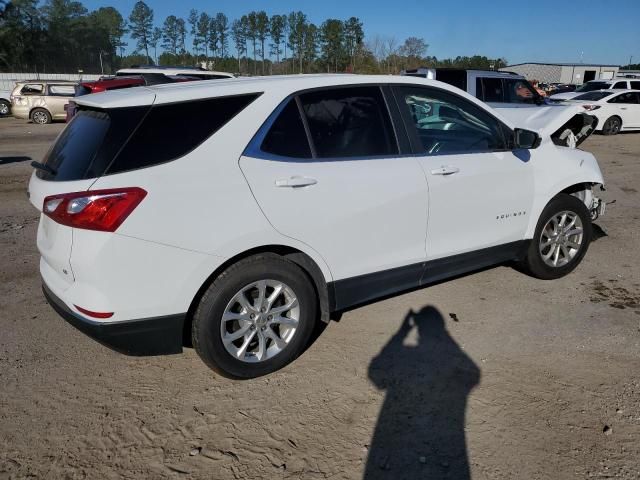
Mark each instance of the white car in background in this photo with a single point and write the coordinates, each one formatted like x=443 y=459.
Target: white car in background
x=617 y=110
x=5 y=103
x=299 y=198
x=593 y=85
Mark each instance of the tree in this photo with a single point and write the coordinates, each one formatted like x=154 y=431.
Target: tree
x=141 y=25
x=297 y=22
x=193 y=22
x=332 y=43
x=153 y=42
x=310 y=46
x=222 y=26
x=238 y=32
x=252 y=34
x=202 y=32
x=213 y=36
x=181 y=28
x=171 y=34
x=107 y=20
x=353 y=37
x=414 y=47
x=262 y=30
x=276 y=29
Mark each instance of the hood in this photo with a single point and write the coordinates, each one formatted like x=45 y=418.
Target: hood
x=567 y=125
x=565 y=95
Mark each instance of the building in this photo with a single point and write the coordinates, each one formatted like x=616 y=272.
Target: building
x=564 y=72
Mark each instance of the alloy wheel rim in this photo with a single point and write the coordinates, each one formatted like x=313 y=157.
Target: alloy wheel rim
x=614 y=126
x=40 y=117
x=4 y=109
x=561 y=239
x=260 y=321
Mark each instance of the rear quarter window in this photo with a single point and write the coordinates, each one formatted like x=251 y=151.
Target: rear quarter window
x=101 y=142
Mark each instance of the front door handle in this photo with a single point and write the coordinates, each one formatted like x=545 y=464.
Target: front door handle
x=623 y=108
x=445 y=170
x=296 y=182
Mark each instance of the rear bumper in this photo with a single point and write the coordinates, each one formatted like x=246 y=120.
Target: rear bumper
x=149 y=336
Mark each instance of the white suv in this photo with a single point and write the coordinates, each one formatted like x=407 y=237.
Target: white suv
x=241 y=213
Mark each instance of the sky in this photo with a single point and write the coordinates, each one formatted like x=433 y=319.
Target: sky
x=591 y=31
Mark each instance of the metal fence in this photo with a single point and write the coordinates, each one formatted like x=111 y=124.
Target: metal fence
x=8 y=80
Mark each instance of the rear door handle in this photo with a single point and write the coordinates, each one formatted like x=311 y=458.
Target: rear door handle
x=296 y=182
x=445 y=170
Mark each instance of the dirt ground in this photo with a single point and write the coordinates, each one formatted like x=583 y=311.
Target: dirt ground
x=491 y=376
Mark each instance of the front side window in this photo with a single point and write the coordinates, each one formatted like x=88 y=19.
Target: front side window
x=349 y=122
x=519 y=91
x=594 y=96
x=620 y=85
x=445 y=123
x=627 y=98
x=32 y=89
x=62 y=90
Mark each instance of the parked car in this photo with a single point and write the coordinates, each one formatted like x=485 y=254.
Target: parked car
x=5 y=103
x=119 y=82
x=41 y=101
x=298 y=198
x=199 y=73
x=593 y=85
x=556 y=88
x=617 y=110
x=518 y=100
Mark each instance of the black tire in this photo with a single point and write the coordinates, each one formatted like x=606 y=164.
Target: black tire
x=534 y=263
x=5 y=108
x=40 y=116
x=206 y=329
x=612 y=126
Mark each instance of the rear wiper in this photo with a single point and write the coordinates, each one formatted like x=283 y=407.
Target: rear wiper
x=42 y=166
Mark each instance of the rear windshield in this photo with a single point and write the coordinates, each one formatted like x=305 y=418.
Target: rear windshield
x=593 y=96
x=103 y=142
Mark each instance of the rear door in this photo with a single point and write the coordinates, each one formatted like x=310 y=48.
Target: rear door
x=480 y=192
x=326 y=170
x=57 y=97
x=627 y=107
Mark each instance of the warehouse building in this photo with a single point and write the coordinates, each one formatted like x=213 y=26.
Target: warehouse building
x=564 y=72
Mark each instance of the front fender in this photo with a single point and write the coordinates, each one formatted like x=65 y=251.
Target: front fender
x=559 y=169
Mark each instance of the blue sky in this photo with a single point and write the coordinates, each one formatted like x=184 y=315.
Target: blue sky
x=519 y=30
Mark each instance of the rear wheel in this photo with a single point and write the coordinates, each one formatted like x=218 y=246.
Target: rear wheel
x=612 y=126
x=255 y=318
x=5 y=108
x=561 y=238
x=40 y=116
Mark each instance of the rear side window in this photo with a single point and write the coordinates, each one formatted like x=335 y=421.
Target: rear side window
x=287 y=136
x=62 y=90
x=492 y=90
x=99 y=142
x=32 y=89
x=635 y=85
x=171 y=131
x=349 y=122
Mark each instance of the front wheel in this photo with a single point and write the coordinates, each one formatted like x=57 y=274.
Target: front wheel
x=255 y=318
x=561 y=239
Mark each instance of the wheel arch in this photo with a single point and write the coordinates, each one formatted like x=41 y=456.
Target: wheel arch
x=582 y=190
x=322 y=287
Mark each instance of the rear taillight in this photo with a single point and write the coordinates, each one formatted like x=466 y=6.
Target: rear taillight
x=102 y=210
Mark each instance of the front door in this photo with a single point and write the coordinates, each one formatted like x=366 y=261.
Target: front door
x=627 y=107
x=347 y=193
x=480 y=192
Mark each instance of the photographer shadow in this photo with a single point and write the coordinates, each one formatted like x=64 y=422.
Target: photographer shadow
x=420 y=430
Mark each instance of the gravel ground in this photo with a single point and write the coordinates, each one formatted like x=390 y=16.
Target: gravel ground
x=491 y=376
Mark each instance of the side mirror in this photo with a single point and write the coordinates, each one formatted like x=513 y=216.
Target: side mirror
x=526 y=139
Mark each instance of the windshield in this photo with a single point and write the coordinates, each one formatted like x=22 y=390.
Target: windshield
x=594 y=96
x=591 y=86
